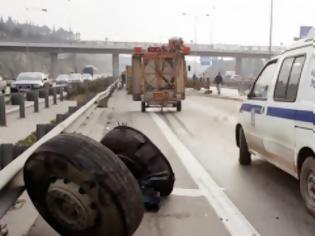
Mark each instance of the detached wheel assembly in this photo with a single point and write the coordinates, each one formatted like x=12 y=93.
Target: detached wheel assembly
x=80 y=187
x=146 y=162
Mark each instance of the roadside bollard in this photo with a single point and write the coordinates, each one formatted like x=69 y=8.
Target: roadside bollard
x=3 y=119
x=22 y=106
x=43 y=129
x=61 y=93
x=36 y=104
x=72 y=109
x=6 y=154
x=44 y=93
x=33 y=96
x=53 y=92
x=60 y=118
x=14 y=98
x=19 y=99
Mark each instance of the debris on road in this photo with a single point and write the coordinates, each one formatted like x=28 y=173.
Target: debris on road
x=82 y=187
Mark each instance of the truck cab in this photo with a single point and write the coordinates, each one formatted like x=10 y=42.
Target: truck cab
x=276 y=122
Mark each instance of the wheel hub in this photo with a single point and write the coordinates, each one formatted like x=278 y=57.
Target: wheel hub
x=311 y=186
x=70 y=206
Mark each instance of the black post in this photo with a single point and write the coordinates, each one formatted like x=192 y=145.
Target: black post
x=61 y=93
x=54 y=93
x=36 y=104
x=22 y=105
x=3 y=120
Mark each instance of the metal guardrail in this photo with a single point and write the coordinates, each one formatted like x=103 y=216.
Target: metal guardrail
x=11 y=175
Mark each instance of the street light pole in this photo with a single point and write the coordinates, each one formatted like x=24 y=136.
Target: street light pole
x=271 y=26
x=195 y=17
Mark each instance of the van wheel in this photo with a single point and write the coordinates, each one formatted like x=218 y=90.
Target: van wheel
x=244 y=154
x=143 y=106
x=307 y=184
x=141 y=156
x=82 y=188
x=179 y=106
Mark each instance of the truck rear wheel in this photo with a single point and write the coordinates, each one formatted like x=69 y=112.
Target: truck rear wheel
x=244 y=154
x=307 y=184
x=142 y=106
x=179 y=106
x=81 y=188
x=141 y=156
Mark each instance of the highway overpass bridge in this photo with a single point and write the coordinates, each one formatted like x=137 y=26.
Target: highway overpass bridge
x=115 y=48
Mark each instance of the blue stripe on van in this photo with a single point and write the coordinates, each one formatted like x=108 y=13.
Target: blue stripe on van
x=285 y=113
x=291 y=114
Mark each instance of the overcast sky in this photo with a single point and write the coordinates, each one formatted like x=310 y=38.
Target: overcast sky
x=243 y=22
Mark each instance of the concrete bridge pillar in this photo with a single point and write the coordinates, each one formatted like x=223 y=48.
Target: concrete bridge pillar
x=53 y=64
x=116 y=65
x=238 y=65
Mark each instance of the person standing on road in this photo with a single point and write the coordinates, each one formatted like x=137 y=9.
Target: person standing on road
x=218 y=80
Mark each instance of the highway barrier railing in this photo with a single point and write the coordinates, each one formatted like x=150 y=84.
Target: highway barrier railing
x=11 y=178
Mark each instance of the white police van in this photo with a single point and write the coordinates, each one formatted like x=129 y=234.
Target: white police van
x=277 y=120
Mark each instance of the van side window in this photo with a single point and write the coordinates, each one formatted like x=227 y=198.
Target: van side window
x=288 y=80
x=281 y=85
x=295 y=78
x=262 y=83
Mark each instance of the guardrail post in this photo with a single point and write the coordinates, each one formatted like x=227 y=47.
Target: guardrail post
x=22 y=106
x=72 y=109
x=14 y=98
x=33 y=96
x=43 y=129
x=36 y=103
x=44 y=93
x=6 y=154
x=3 y=119
x=53 y=92
x=60 y=118
x=61 y=93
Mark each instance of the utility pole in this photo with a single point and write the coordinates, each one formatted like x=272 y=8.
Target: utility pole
x=271 y=26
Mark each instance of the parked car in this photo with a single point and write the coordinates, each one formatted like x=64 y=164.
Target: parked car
x=87 y=77
x=75 y=78
x=3 y=85
x=62 y=79
x=276 y=121
x=30 y=80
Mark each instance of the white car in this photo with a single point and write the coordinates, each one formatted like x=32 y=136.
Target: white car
x=277 y=120
x=30 y=80
x=62 y=79
x=75 y=78
x=87 y=77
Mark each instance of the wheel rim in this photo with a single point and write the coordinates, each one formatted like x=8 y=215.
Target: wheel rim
x=70 y=206
x=311 y=186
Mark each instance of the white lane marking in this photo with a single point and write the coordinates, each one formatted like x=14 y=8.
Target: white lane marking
x=232 y=218
x=185 y=192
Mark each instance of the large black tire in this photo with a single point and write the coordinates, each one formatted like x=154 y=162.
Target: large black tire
x=140 y=155
x=179 y=106
x=142 y=106
x=105 y=199
x=244 y=154
x=307 y=184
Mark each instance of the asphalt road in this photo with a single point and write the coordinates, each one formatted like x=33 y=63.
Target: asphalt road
x=258 y=199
